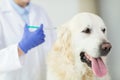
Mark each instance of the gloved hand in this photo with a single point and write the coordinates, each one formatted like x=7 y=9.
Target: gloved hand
x=31 y=39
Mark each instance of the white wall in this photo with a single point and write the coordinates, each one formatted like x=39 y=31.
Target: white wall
x=110 y=11
x=59 y=11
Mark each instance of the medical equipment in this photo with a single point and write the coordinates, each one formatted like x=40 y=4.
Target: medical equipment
x=35 y=27
x=32 y=27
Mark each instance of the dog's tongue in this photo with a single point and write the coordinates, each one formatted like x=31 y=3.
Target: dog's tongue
x=98 y=67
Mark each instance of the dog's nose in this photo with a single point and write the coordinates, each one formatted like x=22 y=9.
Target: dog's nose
x=105 y=48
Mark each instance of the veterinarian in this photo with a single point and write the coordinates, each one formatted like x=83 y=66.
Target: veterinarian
x=23 y=48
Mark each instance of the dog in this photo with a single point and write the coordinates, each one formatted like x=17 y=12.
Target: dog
x=80 y=50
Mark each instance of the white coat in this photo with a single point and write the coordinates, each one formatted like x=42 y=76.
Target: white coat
x=32 y=65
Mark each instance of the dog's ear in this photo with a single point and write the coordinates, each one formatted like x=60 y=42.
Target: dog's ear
x=63 y=44
x=63 y=39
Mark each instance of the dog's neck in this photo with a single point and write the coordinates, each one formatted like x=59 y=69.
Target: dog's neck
x=88 y=75
x=85 y=72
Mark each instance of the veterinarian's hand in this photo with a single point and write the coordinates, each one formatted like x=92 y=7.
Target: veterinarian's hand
x=31 y=39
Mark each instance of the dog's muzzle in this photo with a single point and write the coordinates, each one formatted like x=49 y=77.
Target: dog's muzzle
x=105 y=48
x=96 y=63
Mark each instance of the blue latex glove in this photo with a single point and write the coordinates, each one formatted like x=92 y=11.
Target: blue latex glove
x=31 y=39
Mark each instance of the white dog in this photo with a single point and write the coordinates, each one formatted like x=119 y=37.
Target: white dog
x=80 y=50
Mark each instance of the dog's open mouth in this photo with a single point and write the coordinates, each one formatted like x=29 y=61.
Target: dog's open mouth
x=97 y=64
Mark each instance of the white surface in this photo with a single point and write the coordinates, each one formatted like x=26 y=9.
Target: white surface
x=110 y=12
x=59 y=11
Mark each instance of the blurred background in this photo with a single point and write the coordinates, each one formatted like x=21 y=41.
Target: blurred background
x=61 y=11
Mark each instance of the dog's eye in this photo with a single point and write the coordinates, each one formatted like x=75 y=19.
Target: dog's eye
x=103 y=30
x=87 y=30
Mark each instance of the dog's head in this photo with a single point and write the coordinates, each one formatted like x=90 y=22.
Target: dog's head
x=86 y=34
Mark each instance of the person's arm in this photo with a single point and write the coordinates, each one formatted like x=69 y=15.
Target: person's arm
x=9 y=55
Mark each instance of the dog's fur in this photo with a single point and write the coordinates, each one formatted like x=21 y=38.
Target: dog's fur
x=63 y=61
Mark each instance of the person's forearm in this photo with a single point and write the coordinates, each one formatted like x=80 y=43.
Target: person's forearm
x=20 y=52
